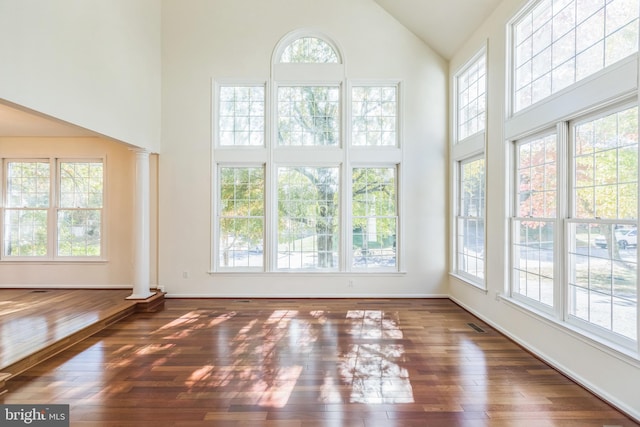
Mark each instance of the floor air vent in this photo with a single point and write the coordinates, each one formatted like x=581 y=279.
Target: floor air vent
x=476 y=328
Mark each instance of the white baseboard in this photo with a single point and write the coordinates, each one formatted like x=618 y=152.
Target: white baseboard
x=329 y=296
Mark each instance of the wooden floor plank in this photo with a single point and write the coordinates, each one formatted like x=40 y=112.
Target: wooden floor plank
x=342 y=362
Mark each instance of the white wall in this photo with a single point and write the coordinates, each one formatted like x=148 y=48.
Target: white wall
x=217 y=39
x=92 y=63
x=117 y=270
x=613 y=376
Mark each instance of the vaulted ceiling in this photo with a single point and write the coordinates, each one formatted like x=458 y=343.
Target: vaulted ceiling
x=442 y=24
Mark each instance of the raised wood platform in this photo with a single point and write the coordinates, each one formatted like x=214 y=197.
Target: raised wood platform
x=36 y=324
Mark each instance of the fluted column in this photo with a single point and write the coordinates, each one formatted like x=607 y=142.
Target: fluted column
x=142 y=277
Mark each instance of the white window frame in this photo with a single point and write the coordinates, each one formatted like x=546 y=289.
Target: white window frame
x=472 y=147
x=479 y=133
x=53 y=209
x=350 y=254
x=605 y=90
x=556 y=221
x=528 y=9
x=381 y=85
x=218 y=215
x=219 y=85
x=460 y=271
x=273 y=156
x=572 y=218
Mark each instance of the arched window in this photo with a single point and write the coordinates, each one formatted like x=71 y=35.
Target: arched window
x=307 y=165
x=309 y=50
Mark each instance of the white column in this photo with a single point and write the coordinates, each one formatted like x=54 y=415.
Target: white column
x=142 y=277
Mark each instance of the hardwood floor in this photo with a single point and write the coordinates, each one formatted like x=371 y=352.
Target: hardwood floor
x=364 y=363
x=31 y=319
x=36 y=324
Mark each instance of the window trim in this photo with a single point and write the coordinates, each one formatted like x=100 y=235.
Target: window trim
x=294 y=35
x=559 y=312
x=478 y=136
x=217 y=85
x=557 y=221
x=345 y=156
x=349 y=228
x=53 y=209
x=215 y=219
x=510 y=110
x=374 y=84
x=473 y=146
x=480 y=283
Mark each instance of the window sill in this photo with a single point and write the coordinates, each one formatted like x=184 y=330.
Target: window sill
x=469 y=282
x=310 y=273
x=616 y=350
x=54 y=262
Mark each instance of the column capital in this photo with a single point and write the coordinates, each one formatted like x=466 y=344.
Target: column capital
x=139 y=151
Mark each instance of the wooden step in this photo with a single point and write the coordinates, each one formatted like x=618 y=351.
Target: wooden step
x=106 y=317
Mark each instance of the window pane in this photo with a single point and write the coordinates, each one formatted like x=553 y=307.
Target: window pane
x=241 y=115
x=309 y=116
x=470 y=221
x=471 y=98
x=583 y=37
x=603 y=267
x=308 y=221
x=79 y=232
x=533 y=252
x=603 y=276
x=241 y=217
x=81 y=184
x=374 y=115
x=25 y=232
x=28 y=184
x=536 y=175
x=309 y=50
x=534 y=229
x=606 y=165
x=374 y=217
x=27 y=200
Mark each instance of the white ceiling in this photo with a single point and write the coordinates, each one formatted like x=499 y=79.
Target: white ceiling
x=442 y=24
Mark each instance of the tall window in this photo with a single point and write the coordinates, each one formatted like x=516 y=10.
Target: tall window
x=534 y=227
x=575 y=181
x=375 y=217
x=470 y=219
x=28 y=198
x=559 y=42
x=296 y=190
x=80 y=208
x=603 y=267
x=469 y=167
x=241 y=216
x=38 y=225
x=308 y=221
